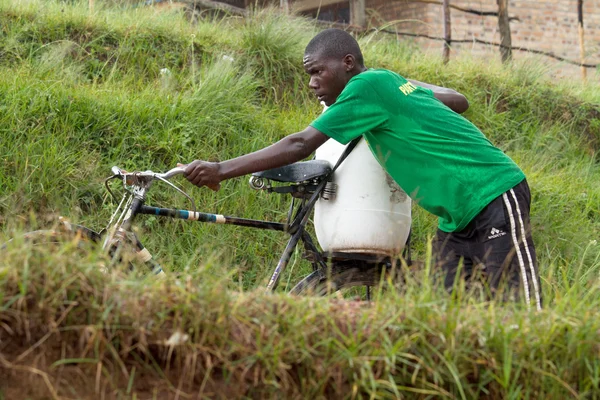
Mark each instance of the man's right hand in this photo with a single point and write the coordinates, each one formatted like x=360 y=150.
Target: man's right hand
x=290 y=149
x=203 y=173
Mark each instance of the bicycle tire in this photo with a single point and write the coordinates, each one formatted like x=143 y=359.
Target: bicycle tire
x=50 y=240
x=56 y=235
x=83 y=235
x=321 y=283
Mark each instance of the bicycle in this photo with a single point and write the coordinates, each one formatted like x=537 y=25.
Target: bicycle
x=304 y=181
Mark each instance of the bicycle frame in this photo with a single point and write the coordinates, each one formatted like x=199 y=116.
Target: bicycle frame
x=132 y=204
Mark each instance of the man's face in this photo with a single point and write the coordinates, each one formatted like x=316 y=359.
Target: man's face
x=328 y=76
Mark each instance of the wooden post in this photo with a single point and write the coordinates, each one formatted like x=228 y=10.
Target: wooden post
x=581 y=43
x=504 y=28
x=91 y=6
x=285 y=6
x=447 y=30
x=357 y=13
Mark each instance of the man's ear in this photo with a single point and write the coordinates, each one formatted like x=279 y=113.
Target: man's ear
x=349 y=62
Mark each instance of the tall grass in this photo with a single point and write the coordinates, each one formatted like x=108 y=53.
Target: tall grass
x=81 y=92
x=117 y=336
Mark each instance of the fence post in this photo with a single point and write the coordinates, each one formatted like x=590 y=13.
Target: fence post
x=447 y=30
x=91 y=6
x=285 y=6
x=581 y=43
x=357 y=13
x=504 y=28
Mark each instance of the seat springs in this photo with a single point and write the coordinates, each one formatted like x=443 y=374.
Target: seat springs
x=329 y=191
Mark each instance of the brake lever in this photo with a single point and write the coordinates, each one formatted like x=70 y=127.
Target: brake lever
x=160 y=178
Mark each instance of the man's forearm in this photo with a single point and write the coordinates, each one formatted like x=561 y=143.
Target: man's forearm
x=286 y=151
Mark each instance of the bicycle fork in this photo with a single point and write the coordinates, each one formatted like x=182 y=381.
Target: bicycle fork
x=121 y=235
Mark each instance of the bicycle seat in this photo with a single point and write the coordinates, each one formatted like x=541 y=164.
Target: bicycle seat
x=297 y=172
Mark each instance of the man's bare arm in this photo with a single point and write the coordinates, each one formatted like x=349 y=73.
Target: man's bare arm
x=451 y=98
x=288 y=150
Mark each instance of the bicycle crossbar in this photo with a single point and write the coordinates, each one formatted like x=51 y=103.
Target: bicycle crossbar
x=212 y=218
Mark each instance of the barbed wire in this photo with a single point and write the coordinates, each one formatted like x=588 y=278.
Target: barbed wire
x=357 y=29
x=485 y=42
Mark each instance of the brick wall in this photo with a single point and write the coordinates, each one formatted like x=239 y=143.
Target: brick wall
x=547 y=25
x=398 y=15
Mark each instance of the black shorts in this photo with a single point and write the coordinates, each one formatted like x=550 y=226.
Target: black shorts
x=497 y=246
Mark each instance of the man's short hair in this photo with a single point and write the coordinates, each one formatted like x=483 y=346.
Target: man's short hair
x=334 y=43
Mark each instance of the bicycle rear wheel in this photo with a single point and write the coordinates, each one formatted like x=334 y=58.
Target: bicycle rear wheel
x=339 y=277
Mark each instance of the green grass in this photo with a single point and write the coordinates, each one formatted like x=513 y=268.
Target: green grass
x=80 y=93
x=412 y=343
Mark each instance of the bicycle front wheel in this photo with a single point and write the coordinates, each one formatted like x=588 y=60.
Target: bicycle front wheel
x=77 y=239
x=43 y=236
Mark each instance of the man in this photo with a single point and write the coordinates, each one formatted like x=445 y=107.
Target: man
x=440 y=159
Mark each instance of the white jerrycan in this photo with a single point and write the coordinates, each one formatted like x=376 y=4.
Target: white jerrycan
x=369 y=214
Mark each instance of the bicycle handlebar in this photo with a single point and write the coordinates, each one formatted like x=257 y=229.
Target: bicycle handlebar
x=143 y=179
x=149 y=174
x=171 y=173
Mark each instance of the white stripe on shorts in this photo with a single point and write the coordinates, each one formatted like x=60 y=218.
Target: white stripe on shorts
x=513 y=232
x=534 y=278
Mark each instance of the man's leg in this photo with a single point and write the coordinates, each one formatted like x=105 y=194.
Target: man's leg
x=506 y=247
x=449 y=252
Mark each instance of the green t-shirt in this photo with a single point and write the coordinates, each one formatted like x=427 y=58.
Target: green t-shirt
x=440 y=159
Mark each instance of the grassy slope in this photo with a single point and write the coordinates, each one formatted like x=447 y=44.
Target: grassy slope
x=79 y=94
